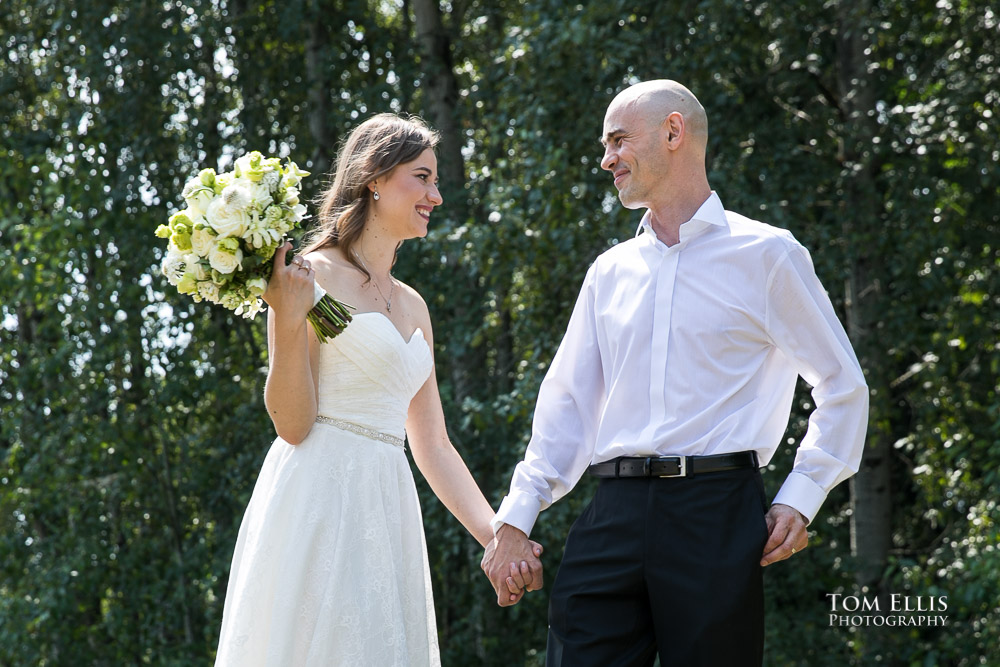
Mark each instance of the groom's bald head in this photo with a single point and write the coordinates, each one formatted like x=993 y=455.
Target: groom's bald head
x=655 y=100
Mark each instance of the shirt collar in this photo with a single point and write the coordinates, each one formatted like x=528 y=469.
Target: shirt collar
x=711 y=212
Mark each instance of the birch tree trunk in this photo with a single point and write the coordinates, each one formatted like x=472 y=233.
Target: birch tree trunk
x=861 y=211
x=318 y=43
x=441 y=98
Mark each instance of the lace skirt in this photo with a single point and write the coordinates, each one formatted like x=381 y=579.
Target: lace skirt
x=330 y=566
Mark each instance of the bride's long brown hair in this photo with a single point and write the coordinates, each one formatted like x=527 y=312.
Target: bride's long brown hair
x=372 y=149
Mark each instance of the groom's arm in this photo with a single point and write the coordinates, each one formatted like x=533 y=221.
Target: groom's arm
x=562 y=441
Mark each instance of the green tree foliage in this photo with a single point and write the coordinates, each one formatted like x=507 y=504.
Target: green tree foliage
x=132 y=425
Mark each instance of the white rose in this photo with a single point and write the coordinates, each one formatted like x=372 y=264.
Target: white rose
x=198 y=196
x=225 y=220
x=202 y=242
x=224 y=261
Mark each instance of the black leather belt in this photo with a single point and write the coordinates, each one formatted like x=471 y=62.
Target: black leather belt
x=672 y=466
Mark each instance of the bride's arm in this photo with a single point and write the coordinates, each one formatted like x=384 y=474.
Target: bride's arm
x=442 y=465
x=291 y=391
x=435 y=456
x=449 y=477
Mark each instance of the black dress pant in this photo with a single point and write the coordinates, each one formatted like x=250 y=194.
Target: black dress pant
x=663 y=565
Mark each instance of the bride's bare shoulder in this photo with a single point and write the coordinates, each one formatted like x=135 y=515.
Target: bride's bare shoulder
x=330 y=254
x=415 y=304
x=334 y=272
x=412 y=296
x=329 y=261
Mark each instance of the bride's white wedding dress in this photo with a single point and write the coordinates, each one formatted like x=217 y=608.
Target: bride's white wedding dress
x=330 y=566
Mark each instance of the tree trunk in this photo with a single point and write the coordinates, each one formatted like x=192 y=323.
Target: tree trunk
x=861 y=209
x=441 y=99
x=318 y=43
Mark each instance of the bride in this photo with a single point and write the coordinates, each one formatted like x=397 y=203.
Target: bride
x=330 y=566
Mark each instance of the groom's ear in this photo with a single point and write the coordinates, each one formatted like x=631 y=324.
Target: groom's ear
x=672 y=128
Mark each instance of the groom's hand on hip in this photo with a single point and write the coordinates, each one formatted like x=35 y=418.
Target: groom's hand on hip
x=787 y=535
x=511 y=562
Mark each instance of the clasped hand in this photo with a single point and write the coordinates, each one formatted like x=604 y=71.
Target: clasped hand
x=511 y=562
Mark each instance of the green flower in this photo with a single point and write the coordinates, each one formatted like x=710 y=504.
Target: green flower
x=273 y=216
x=222 y=181
x=252 y=166
x=181 y=223
x=207 y=177
x=188 y=284
x=230 y=245
x=257 y=286
x=292 y=168
x=180 y=230
x=267 y=252
x=181 y=241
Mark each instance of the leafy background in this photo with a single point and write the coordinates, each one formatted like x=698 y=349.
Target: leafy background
x=131 y=422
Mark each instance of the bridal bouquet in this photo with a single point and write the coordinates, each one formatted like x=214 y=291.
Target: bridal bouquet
x=221 y=247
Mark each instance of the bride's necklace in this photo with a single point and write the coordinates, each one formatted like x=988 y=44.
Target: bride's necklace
x=392 y=285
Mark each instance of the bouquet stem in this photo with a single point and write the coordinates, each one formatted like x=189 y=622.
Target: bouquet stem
x=329 y=317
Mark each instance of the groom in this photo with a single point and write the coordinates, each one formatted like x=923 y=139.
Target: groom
x=674 y=384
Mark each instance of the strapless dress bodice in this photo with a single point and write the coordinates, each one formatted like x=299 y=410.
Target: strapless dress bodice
x=369 y=373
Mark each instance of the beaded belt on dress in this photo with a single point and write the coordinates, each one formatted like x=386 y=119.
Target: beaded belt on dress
x=361 y=430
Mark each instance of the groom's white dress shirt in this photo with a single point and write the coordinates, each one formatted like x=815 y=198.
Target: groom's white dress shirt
x=694 y=349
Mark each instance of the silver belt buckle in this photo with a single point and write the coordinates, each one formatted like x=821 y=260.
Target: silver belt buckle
x=682 y=463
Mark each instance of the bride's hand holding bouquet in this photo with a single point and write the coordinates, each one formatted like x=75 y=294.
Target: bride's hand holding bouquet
x=290 y=291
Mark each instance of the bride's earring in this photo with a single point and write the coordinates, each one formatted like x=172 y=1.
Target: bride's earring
x=376 y=196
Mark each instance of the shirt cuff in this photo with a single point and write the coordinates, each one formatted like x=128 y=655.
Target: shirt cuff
x=802 y=494
x=519 y=511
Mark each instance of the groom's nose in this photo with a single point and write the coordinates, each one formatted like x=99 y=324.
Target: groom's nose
x=610 y=159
